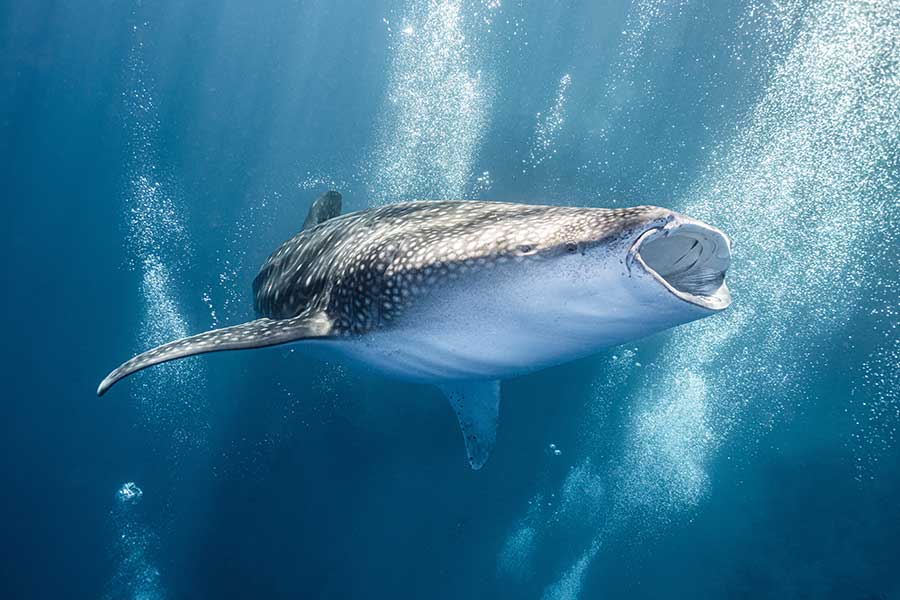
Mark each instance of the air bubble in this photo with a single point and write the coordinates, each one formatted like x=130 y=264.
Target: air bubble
x=129 y=492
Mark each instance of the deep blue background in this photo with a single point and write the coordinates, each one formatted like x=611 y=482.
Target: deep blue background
x=278 y=476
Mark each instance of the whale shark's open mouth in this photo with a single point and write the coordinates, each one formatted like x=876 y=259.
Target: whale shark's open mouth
x=689 y=259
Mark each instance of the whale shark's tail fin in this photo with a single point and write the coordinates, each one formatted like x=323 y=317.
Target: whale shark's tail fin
x=253 y=334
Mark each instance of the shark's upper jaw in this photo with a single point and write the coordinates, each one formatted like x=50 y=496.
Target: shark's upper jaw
x=688 y=258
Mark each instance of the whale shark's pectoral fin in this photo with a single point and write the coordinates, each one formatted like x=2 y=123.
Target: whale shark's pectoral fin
x=327 y=206
x=477 y=407
x=253 y=334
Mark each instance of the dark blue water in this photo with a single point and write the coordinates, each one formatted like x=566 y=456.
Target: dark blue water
x=155 y=152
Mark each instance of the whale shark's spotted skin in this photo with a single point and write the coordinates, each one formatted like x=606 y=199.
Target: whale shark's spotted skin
x=365 y=268
x=462 y=293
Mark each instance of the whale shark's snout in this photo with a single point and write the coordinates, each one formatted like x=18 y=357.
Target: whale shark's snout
x=686 y=257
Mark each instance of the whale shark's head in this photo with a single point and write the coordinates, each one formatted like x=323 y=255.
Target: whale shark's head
x=683 y=257
x=636 y=271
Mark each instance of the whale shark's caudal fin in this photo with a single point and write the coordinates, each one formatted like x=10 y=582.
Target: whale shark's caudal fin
x=326 y=206
x=253 y=334
x=477 y=407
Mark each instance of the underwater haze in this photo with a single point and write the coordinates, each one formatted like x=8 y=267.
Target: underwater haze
x=155 y=152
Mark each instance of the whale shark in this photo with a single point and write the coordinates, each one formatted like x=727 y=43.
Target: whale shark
x=464 y=294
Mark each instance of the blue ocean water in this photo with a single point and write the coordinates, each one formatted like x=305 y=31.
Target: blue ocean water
x=154 y=153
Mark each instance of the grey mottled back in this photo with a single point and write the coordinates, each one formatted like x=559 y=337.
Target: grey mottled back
x=362 y=269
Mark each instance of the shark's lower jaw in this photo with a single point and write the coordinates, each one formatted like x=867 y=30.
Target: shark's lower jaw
x=689 y=259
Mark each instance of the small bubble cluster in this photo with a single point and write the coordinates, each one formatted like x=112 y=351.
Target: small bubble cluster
x=516 y=559
x=226 y=292
x=436 y=109
x=644 y=16
x=133 y=550
x=570 y=584
x=129 y=492
x=158 y=248
x=548 y=125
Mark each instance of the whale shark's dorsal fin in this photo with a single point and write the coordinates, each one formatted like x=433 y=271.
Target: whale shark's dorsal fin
x=327 y=206
x=477 y=407
x=253 y=334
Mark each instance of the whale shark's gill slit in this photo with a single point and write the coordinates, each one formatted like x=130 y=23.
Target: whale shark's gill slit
x=685 y=255
x=691 y=261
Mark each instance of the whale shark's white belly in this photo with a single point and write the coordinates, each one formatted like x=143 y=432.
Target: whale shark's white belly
x=499 y=326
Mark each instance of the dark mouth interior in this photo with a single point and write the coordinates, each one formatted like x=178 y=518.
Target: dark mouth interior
x=691 y=259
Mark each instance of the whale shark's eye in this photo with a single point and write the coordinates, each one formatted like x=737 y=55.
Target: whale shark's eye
x=525 y=248
x=571 y=247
